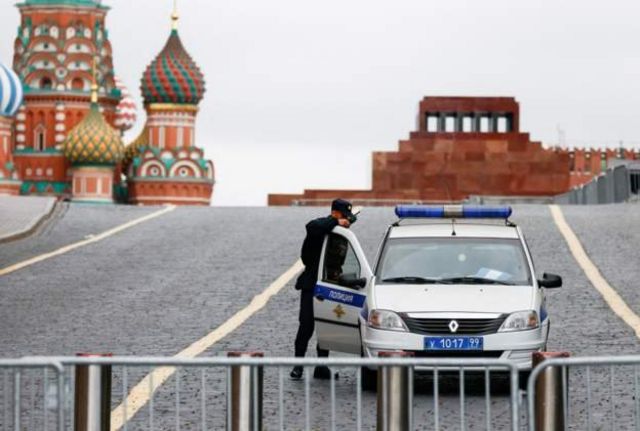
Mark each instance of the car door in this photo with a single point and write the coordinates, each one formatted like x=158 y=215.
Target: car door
x=337 y=306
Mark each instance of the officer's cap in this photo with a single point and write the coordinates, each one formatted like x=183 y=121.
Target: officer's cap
x=343 y=206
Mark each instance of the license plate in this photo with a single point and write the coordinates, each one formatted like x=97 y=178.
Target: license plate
x=453 y=343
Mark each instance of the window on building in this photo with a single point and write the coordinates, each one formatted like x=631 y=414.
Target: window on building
x=46 y=83
x=40 y=139
x=503 y=125
x=484 y=124
x=587 y=163
x=41 y=142
x=450 y=124
x=467 y=124
x=432 y=123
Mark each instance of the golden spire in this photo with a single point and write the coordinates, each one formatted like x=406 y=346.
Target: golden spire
x=94 y=84
x=174 y=16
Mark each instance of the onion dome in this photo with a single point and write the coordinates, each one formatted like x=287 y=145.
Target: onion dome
x=93 y=141
x=173 y=76
x=126 y=111
x=10 y=92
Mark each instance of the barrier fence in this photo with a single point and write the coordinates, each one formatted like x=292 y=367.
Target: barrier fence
x=255 y=393
x=32 y=394
x=247 y=393
x=616 y=185
x=599 y=393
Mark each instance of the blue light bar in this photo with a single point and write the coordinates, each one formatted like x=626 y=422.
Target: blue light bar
x=452 y=211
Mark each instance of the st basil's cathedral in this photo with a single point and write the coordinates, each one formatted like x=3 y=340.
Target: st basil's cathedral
x=63 y=113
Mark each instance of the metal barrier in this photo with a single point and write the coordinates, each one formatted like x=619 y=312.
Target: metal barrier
x=174 y=393
x=30 y=377
x=601 y=393
x=615 y=185
x=605 y=391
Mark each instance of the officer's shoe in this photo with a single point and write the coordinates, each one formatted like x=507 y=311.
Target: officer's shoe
x=296 y=373
x=323 y=372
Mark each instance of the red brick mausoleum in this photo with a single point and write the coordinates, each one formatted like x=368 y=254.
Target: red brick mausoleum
x=466 y=146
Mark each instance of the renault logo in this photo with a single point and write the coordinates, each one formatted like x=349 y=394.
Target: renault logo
x=453 y=326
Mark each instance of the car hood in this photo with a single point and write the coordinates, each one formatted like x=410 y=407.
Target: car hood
x=455 y=298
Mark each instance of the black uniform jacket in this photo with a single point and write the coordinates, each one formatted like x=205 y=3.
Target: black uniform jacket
x=312 y=248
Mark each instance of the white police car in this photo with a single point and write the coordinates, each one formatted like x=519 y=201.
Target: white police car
x=449 y=281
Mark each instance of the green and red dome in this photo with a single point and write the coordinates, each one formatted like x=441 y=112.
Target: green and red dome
x=173 y=76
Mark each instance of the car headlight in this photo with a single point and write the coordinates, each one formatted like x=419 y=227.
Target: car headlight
x=388 y=320
x=520 y=321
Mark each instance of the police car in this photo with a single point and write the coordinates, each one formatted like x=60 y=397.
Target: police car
x=449 y=281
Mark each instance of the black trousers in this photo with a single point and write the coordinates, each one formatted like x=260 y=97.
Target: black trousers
x=307 y=325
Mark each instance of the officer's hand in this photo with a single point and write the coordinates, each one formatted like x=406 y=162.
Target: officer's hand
x=344 y=222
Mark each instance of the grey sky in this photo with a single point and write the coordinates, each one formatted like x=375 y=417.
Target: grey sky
x=300 y=92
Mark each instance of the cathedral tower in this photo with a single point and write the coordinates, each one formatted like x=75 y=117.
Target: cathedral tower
x=57 y=42
x=94 y=149
x=164 y=165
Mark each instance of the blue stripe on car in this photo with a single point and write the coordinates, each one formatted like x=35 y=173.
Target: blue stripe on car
x=340 y=296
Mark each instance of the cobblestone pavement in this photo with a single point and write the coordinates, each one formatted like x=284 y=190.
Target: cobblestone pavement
x=20 y=214
x=69 y=224
x=161 y=285
x=610 y=235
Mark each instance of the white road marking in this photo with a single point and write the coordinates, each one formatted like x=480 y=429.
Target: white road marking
x=615 y=301
x=139 y=395
x=90 y=239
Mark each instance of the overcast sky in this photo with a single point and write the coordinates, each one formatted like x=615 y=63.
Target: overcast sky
x=299 y=93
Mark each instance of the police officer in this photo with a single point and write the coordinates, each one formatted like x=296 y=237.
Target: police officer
x=317 y=230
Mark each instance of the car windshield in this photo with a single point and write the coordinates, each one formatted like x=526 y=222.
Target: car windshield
x=454 y=261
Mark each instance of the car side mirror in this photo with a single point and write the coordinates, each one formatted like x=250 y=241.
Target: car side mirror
x=352 y=281
x=550 y=281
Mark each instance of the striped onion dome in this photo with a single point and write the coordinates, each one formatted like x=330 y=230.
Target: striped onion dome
x=173 y=76
x=126 y=114
x=10 y=92
x=93 y=141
